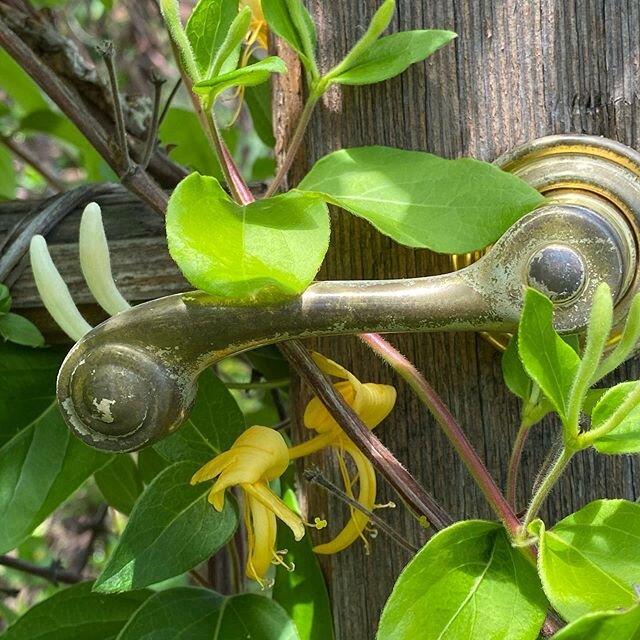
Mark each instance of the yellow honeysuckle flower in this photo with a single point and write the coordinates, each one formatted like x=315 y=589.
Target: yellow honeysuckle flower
x=373 y=403
x=258 y=31
x=257 y=38
x=257 y=456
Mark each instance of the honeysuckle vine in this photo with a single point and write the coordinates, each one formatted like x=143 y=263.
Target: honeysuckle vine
x=514 y=577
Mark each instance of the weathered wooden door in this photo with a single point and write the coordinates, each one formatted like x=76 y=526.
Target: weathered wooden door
x=520 y=69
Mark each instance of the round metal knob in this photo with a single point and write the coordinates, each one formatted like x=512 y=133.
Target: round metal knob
x=558 y=271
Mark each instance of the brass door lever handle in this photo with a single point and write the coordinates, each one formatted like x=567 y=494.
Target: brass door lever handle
x=132 y=380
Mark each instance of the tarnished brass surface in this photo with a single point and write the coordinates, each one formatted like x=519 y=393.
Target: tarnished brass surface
x=591 y=171
x=132 y=380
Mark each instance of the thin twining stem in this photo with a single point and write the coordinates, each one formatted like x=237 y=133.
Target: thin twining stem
x=407 y=487
x=449 y=426
x=314 y=475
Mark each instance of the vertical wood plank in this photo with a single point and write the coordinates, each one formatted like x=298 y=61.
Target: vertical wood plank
x=520 y=69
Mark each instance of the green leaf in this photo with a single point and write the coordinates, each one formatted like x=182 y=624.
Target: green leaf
x=421 y=200
x=546 y=357
x=264 y=251
x=604 y=625
x=391 y=55
x=19 y=86
x=54 y=124
x=120 y=483
x=598 y=330
x=170 y=10
x=190 y=613
x=592 y=399
x=8 y=180
x=151 y=464
x=467 y=582
x=27 y=385
x=270 y=362
x=378 y=24
x=227 y=57
x=302 y=593
x=290 y=20
x=207 y=29
x=182 y=134
x=248 y=76
x=212 y=427
x=515 y=377
x=48 y=3
x=5 y=299
x=172 y=529
x=625 y=438
x=39 y=469
x=15 y=328
x=7 y=614
x=589 y=561
x=75 y=613
x=258 y=101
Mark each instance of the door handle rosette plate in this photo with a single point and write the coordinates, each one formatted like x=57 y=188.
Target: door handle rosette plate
x=589 y=171
x=132 y=380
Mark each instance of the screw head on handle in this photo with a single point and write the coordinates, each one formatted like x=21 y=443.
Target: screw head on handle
x=559 y=271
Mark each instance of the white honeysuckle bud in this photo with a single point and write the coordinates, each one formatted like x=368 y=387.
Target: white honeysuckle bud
x=54 y=292
x=95 y=262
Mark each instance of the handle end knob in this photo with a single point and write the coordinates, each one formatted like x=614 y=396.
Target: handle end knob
x=117 y=398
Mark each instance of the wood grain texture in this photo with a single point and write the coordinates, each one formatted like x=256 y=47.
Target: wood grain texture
x=140 y=260
x=520 y=69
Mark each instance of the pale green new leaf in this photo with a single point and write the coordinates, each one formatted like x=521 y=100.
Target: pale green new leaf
x=15 y=328
x=546 y=357
x=290 y=20
x=604 y=625
x=190 y=613
x=248 y=76
x=626 y=345
x=625 y=438
x=226 y=59
x=467 y=582
x=266 y=251
x=515 y=377
x=534 y=405
x=207 y=29
x=421 y=200
x=75 y=613
x=379 y=22
x=391 y=55
x=40 y=468
x=172 y=529
x=212 y=427
x=589 y=561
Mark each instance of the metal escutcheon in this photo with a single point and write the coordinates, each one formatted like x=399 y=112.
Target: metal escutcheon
x=132 y=380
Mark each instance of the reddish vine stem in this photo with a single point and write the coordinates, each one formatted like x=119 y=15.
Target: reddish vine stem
x=412 y=492
x=514 y=462
x=449 y=426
